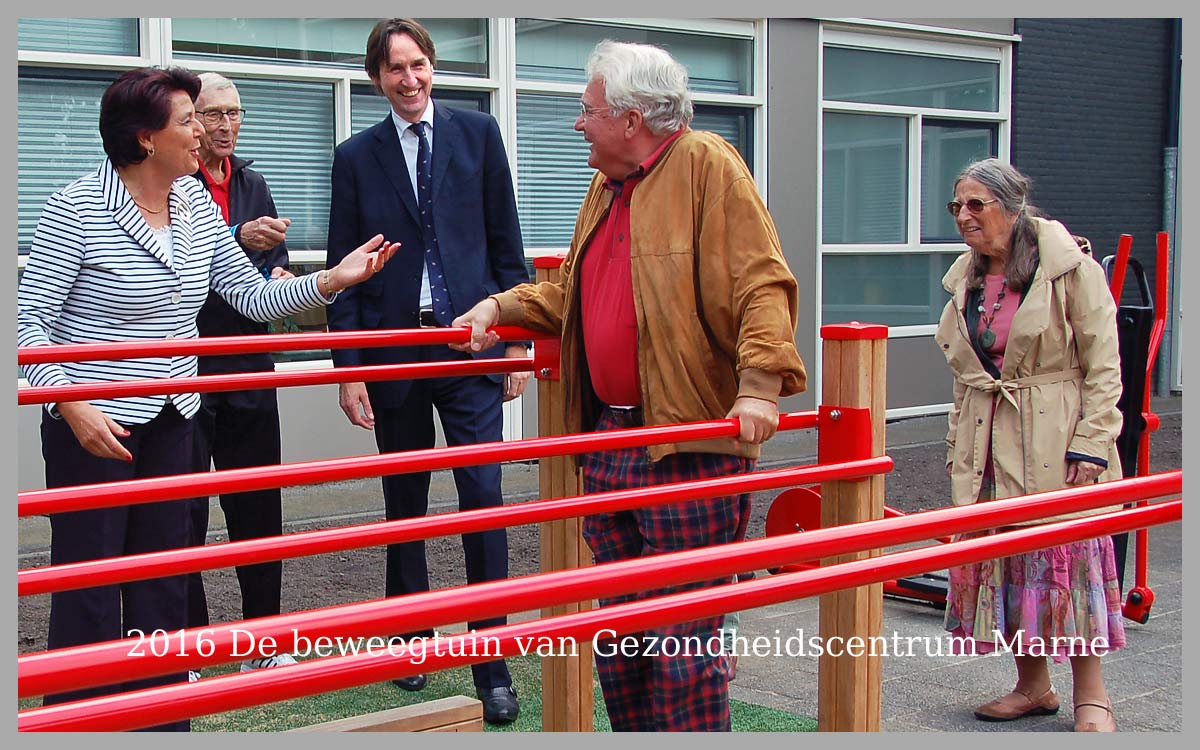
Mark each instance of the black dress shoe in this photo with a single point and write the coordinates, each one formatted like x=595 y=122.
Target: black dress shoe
x=499 y=704
x=416 y=682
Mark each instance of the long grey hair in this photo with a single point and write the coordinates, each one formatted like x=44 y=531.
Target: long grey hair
x=1011 y=188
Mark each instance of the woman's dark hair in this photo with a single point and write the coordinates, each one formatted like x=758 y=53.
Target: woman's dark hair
x=1011 y=188
x=140 y=102
x=380 y=40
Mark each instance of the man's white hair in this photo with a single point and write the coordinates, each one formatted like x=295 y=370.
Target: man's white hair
x=210 y=82
x=645 y=78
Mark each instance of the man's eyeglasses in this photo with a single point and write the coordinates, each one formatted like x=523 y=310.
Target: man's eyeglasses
x=586 y=111
x=213 y=116
x=974 y=205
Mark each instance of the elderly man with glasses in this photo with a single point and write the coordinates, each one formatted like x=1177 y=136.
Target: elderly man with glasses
x=237 y=429
x=675 y=305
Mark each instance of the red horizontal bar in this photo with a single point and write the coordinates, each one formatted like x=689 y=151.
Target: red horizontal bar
x=250 y=380
x=70 y=576
x=279 y=342
x=218 y=694
x=106 y=663
x=201 y=484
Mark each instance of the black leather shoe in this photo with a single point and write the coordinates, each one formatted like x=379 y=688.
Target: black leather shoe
x=416 y=682
x=499 y=704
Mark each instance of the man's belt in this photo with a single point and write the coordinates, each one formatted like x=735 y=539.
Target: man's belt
x=427 y=319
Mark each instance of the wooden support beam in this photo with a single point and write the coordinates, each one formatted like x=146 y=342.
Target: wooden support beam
x=848 y=686
x=457 y=713
x=567 y=688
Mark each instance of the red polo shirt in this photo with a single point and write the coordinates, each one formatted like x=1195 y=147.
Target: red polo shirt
x=219 y=190
x=610 y=330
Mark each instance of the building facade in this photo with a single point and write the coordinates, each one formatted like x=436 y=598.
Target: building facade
x=853 y=128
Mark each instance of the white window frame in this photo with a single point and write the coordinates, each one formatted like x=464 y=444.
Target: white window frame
x=906 y=39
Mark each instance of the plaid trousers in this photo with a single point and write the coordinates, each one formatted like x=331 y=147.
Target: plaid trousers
x=650 y=691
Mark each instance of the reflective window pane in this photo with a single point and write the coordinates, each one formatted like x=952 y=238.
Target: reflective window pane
x=552 y=170
x=947 y=147
x=288 y=132
x=58 y=140
x=558 y=51
x=864 y=179
x=461 y=43
x=97 y=36
x=860 y=75
x=732 y=124
x=892 y=289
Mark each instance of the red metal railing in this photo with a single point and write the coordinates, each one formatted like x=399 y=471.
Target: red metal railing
x=1141 y=597
x=175 y=702
x=106 y=663
x=111 y=494
x=284 y=342
x=214 y=383
x=70 y=576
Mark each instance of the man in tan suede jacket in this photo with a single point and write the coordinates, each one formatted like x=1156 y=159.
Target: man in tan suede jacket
x=675 y=305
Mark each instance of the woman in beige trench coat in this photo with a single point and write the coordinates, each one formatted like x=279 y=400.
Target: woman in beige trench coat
x=1031 y=338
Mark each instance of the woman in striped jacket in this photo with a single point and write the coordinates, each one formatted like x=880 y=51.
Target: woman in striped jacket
x=130 y=251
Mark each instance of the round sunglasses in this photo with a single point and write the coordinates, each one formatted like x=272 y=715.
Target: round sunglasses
x=974 y=205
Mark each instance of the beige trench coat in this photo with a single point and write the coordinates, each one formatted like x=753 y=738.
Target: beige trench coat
x=1058 y=388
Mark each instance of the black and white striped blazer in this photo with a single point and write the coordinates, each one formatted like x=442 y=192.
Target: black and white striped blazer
x=96 y=273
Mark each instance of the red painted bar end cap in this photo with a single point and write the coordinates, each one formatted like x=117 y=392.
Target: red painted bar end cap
x=854 y=331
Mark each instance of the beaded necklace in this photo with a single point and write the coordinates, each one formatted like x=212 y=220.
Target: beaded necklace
x=987 y=338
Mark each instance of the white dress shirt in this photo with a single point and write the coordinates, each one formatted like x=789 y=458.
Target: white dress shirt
x=409 y=144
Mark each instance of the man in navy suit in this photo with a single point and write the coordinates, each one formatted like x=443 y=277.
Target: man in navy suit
x=438 y=181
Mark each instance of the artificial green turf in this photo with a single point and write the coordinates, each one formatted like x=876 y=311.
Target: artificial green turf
x=526 y=673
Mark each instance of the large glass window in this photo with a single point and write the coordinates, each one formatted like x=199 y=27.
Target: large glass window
x=549 y=50
x=462 y=43
x=97 y=36
x=288 y=132
x=898 y=125
x=552 y=164
x=58 y=139
x=946 y=147
x=895 y=290
x=865 y=179
x=861 y=75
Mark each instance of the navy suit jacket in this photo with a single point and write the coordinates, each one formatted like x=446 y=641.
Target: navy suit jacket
x=474 y=214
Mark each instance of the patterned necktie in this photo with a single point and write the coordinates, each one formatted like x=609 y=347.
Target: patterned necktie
x=443 y=312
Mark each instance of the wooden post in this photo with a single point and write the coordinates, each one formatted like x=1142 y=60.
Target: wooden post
x=854 y=373
x=566 y=680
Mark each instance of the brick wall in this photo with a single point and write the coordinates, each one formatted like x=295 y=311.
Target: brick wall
x=1089 y=112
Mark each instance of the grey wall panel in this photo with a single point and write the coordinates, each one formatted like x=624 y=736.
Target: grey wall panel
x=31 y=474
x=917 y=373
x=793 y=119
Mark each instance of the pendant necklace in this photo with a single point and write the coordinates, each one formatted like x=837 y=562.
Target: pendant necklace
x=987 y=337
x=147 y=208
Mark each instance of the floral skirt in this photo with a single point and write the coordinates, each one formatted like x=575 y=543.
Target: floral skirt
x=1059 y=602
